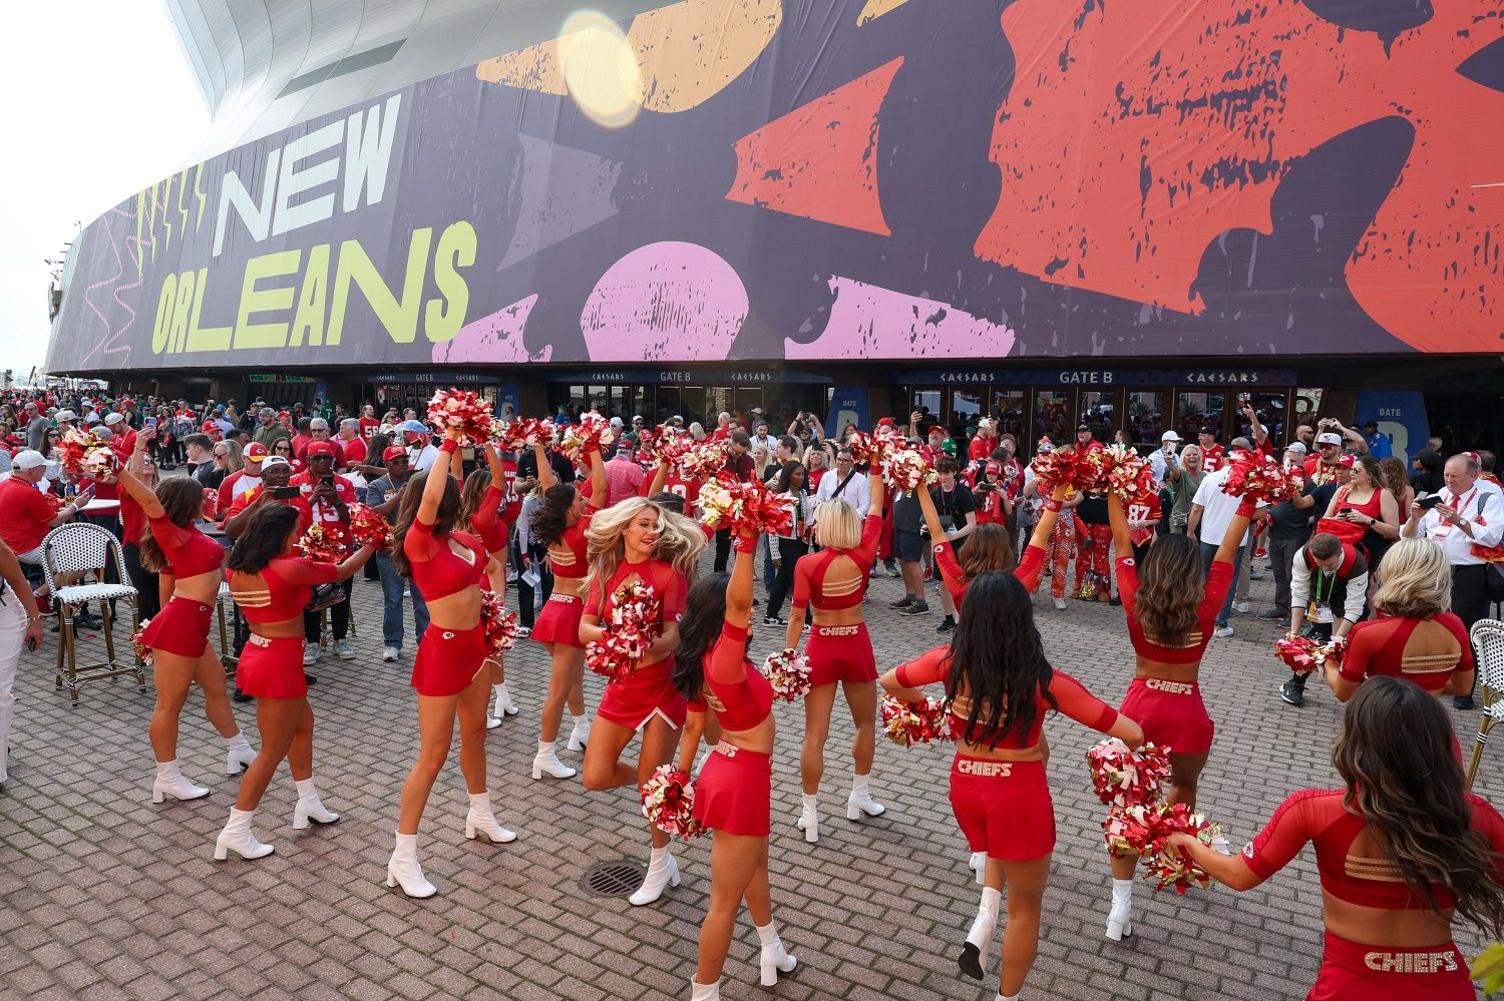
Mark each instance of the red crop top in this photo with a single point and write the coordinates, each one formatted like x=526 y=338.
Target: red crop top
x=1190 y=650
x=738 y=693
x=189 y=552
x=1353 y=867
x=956 y=582
x=1425 y=651
x=666 y=582
x=567 y=556
x=1072 y=698
x=809 y=573
x=437 y=569
x=283 y=588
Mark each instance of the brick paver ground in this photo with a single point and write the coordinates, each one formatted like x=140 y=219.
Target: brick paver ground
x=104 y=895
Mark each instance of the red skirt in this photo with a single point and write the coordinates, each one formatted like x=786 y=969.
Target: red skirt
x=1171 y=713
x=645 y=693
x=181 y=627
x=733 y=791
x=840 y=653
x=448 y=660
x=1354 y=972
x=1004 y=807
x=559 y=622
x=272 y=668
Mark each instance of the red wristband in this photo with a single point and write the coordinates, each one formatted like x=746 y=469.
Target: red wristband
x=745 y=545
x=450 y=445
x=1246 y=509
x=1053 y=504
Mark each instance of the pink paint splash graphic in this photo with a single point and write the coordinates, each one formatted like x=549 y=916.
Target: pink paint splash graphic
x=869 y=322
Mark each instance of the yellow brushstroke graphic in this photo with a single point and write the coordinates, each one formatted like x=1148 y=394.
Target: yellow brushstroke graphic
x=876 y=9
x=198 y=192
x=167 y=208
x=183 y=209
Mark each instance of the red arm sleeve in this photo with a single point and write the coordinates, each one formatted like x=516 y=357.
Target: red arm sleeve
x=300 y=570
x=1486 y=821
x=1218 y=580
x=1361 y=647
x=1128 y=584
x=728 y=659
x=485 y=516
x=1079 y=704
x=801 y=584
x=950 y=571
x=418 y=543
x=1293 y=824
x=1030 y=567
x=926 y=669
x=673 y=595
x=872 y=530
x=168 y=535
x=1456 y=628
x=595 y=599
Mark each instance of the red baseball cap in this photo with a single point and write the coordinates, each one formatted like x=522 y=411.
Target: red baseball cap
x=320 y=448
x=391 y=452
x=255 y=452
x=995 y=468
x=1346 y=462
x=211 y=427
x=886 y=422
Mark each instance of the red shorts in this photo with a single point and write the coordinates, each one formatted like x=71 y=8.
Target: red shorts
x=559 y=622
x=1003 y=807
x=840 y=653
x=733 y=791
x=1354 y=972
x=272 y=668
x=448 y=660
x=1171 y=713
x=181 y=627
x=645 y=693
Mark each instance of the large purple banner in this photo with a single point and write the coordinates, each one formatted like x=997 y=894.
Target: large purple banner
x=850 y=179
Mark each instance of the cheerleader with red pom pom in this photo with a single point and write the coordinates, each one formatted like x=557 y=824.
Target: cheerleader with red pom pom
x=633 y=543
x=733 y=790
x=1049 y=471
x=559 y=525
x=488 y=510
x=1171 y=617
x=1402 y=849
x=1000 y=686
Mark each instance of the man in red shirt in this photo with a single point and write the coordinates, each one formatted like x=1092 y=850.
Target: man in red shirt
x=723 y=427
x=213 y=430
x=985 y=441
x=328 y=496
x=351 y=445
x=27 y=515
x=624 y=477
x=302 y=436
x=1085 y=440
x=245 y=479
x=1213 y=456
x=368 y=422
x=124 y=442
x=275 y=472
x=1325 y=466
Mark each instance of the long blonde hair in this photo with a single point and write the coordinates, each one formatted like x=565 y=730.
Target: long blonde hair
x=1415 y=580
x=679 y=539
x=837 y=525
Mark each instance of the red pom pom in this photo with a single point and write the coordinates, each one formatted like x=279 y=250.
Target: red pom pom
x=592 y=434
x=788 y=673
x=368 y=528
x=1170 y=867
x=138 y=645
x=746 y=508
x=461 y=410
x=630 y=629
x=701 y=460
x=1123 y=777
x=1303 y=655
x=906 y=470
x=1259 y=479
x=500 y=624
x=910 y=723
x=327 y=543
x=523 y=433
x=668 y=800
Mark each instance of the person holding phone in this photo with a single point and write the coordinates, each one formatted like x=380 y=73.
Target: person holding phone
x=20 y=626
x=328 y=496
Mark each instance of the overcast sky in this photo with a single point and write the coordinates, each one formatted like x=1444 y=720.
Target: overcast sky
x=98 y=102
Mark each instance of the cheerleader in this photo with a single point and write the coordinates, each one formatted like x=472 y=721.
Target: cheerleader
x=559 y=525
x=733 y=790
x=1401 y=849
x=1171 y=615
x=989 y=548
x=187 y=563
x=449 y=672
x=637 y=542
x=1062 y=547
x=999 y=686
x=272 y=585
x=488 y=511
x=834 y=581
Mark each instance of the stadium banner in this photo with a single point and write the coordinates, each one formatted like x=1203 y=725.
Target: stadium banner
x=877 y=180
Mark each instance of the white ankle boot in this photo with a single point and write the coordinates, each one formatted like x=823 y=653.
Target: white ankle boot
x=809 y=819
x=310 y=807
x=504 y=705
x=973 y=959
x=547 y=763
x=238 y=754
x=978 y=865
x=170 y=782
x=580 y=735
x=403 y=868
x=1120 y=918
x=704 y=992
x=774 y=959
x=237 y=838
x=480 y=820
x=860 y=801
x=663 y=871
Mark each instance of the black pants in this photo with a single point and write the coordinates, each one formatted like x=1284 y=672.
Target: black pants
x=722 y=549
x=789 y=551
x=1469 y=593
x=143 y=580
x=339 y=617
x=527 y=595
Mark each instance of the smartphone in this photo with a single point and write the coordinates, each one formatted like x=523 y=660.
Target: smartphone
x=285 y=493
x=151 y=422
x=1427 y=503
x=328 y=481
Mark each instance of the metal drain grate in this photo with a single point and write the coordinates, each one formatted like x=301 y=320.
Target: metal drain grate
x=616 y=878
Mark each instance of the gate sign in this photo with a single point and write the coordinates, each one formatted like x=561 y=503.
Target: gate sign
x=921 y=181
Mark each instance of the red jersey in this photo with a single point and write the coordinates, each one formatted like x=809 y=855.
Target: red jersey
x=368 y=426
x=24 y=515
x=246 y=499
x=677 y=485
x=1212 y=457
x=1145 y=510
x=320 y=511
x=353 y=449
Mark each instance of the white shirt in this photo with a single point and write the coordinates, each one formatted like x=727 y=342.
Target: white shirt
x=1483 y=507
x=1160 y=465
x=856 y=493
x=767 y=441
x=1217 y=508
x=421 y=459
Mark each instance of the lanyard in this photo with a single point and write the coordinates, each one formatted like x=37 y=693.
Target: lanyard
x=1444 y=528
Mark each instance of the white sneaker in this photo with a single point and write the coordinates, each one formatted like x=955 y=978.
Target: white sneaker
x=1241 y=606
x=1060 y=603
x=523 y=632
x=310 y=655
x=343 y=650
x=1223 y=631
x=390 y=654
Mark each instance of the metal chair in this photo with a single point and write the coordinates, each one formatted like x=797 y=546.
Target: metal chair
x=1488 y=647
x=226 y=648
x=88 y=549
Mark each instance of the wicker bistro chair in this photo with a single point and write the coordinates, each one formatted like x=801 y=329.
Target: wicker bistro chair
x=80 y=547
x=1488 y=646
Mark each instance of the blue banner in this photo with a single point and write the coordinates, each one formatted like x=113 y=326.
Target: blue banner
x=847 y=406
x=1401 y=416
